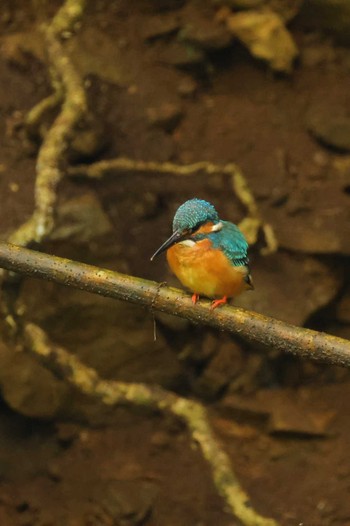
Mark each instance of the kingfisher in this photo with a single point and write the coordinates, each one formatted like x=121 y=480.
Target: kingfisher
x=207 y=255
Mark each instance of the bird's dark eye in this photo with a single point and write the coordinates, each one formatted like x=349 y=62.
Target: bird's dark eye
x=194 y=229
x=197 y=227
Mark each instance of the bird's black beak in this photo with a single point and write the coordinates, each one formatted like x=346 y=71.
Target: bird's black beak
x=174 y=238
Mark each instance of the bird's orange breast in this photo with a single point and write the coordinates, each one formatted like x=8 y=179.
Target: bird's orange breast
x=205 y=270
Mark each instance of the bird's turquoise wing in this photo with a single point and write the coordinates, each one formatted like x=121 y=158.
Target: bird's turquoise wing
x=232 y=242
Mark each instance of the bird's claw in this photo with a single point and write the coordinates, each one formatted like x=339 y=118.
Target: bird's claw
x=195 y=298
x=217 y=303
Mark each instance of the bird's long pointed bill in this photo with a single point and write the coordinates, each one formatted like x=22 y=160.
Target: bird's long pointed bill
x=174 y=238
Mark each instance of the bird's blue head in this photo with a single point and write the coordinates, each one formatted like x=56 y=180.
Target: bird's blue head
x=192 y=214
x=188 y=218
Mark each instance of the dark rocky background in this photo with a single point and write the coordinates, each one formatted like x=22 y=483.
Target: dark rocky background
x=178 y=81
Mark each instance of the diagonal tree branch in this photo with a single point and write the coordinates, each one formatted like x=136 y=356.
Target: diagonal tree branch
x=253 y=327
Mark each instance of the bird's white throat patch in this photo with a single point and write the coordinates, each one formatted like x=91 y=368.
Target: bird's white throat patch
x=187 y=243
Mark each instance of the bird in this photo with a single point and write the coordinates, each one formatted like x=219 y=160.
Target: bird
x=209 y=256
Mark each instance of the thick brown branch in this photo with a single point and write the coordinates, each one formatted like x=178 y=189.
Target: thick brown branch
x=251 y=326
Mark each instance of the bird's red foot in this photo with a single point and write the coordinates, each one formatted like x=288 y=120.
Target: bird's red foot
x=216 y=303
x=195 y=298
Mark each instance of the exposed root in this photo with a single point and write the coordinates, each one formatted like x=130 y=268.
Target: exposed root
x=193 y=413
x=35 y=116
x=52 y=152
x=251 y=224
x=68 y=87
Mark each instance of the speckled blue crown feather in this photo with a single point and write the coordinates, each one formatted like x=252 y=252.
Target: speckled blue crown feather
x=193 y=213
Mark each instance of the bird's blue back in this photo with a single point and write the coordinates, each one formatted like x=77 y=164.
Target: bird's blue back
x=230 y=240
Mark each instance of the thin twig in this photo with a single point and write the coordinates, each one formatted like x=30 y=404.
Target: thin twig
x=193 y=413
x=253 y=327
x=250 y=226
